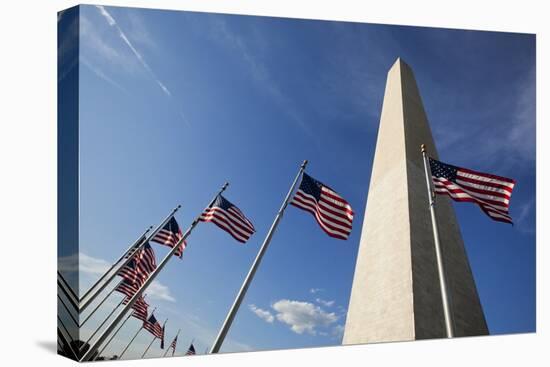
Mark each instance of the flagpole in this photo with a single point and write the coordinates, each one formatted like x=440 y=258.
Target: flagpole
x=99 y=305
x=90 y=299
x=167 y=349
x=117 y=330
x=66 y=288
x=154 y=338
x=114 y=334
x=149 y=280
x=68 y=311
x=440 y=268
x=139 y=330
x=240 y=296
x=143 y=355
x=104 y=321
x=136 y=243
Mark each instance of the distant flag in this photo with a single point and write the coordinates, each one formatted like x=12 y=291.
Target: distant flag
x=191 y=350
x=153 y=326
x=162 y=338
x=173 y=345
x=332 y=212
x=142 y=264
x=492 y=193
x=229 y=218
x=170 y=235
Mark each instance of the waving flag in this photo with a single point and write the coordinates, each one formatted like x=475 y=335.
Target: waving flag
x=229 y=218
x=191 y=350
x=142 y=264
x=170 y=235
x=128 y=288
x=492 y=193
x=332 y=212
x=173 y=345
x=153 y=326
x=140 y=309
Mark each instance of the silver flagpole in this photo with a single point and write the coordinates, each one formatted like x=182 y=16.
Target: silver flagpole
x=104 y=321
x=68 y=310
x=167 y=349
x=144 y=353
x=149 y=280
x=236 y=304
x=440 y=268
x=90 y=299
x=99 y=305
x=149 y=346
x=130 y=343
x=139 y=330
x=117 y=330
x=136 y=243
x=114 y=334
x=66 y=288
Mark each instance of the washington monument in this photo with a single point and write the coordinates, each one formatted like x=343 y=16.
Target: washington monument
x=396 y=294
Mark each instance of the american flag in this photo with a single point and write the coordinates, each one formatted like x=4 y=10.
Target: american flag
x=332 y=212
x=140 y=309
x=173 y=345
x=142 y=264
x=153 y=326
x=229 y=218
x=492 y=193
x=135 y=247
x=128 y=288
x=191 y=350
x=170 y=235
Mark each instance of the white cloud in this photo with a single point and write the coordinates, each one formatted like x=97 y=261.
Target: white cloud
x=262 y=314
x=338 y=331
x=160 y=291
x=315 y=290
x=324 y=302
x=302 y=316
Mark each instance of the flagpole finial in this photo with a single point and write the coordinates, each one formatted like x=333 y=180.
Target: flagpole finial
x=423 y=148
x=304 y=164
x=225 y=185
x=179 y=206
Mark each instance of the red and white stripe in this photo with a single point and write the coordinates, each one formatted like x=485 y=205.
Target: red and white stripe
x=231 y=220
x=128 y=289
x=492 y=193
x=154 y=329
x=170 y=239
x=332 y=212
x=140 y=309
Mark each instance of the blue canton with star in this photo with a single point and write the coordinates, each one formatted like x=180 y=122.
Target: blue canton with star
x=443 y=170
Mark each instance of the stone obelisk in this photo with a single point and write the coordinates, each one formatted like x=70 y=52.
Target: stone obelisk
x=395 y=294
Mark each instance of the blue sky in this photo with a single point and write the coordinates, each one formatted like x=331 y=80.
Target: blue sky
x=173 y=104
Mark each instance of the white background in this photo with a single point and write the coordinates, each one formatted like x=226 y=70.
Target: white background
x=28 y=183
